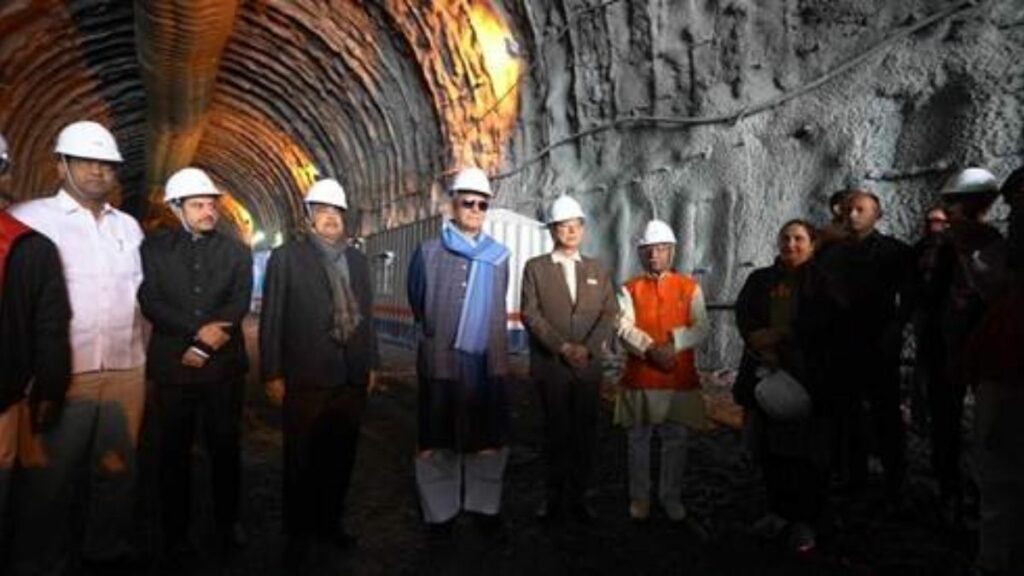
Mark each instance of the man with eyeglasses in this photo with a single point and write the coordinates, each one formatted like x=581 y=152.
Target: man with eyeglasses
x=35 y=360
x=318 y=355
x=456 y=288
x=95 y=440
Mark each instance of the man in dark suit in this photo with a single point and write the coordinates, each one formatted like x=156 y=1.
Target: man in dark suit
x=196 y=292
x=318 y=354
x=35 y=355
x=569 y=309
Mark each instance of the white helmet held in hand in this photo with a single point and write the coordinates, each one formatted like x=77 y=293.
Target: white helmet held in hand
x=971 y=181
x=657 y=232
x=89 y=141
x=327 y=191
x=782 y=397
x=188 y=182
x=471 y=180
x=565 y=208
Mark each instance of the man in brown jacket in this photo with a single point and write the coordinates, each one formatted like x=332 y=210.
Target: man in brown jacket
x=569 y=309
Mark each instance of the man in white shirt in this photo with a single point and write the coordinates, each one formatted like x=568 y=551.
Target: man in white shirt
x=92 y=449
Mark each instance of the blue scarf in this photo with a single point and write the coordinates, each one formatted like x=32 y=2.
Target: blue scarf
x=474 y=319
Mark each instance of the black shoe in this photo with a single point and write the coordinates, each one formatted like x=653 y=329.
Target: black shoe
x=694 y=528
x=441 y=529
x=233 y=537
x=296 y=553
x=490 y=525
x=583 y=512
x=127 y=563
x=342 y=540
x=550 y=511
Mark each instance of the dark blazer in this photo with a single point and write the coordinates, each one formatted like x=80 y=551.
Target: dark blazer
x=436 y=289
x=298 y=315
x=187 y=284
x=811 y=353
x=34 y=320
x=552 y=319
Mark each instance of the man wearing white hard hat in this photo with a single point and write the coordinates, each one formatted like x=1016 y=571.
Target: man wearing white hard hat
x=35 y=359
x=456 y=288
x=195 y=293
x=96 y=438
x=318 y=356
x=970 y=277
x=663 y=321
x=569 y=309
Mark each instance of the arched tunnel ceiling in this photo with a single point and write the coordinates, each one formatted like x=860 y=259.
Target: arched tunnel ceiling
x=264 y=95
x=724 y=117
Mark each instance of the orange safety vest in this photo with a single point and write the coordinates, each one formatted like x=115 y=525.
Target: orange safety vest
x=660 y=305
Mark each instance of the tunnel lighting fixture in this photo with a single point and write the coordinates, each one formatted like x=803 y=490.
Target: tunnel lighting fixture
x=278 y=239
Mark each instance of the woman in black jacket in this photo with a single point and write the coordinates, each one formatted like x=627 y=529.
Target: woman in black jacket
x=787 y=315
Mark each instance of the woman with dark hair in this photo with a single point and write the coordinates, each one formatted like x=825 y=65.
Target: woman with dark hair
x=786 y=314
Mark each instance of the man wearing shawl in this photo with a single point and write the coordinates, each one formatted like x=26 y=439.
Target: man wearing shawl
x=456 y=288
x=319 y=376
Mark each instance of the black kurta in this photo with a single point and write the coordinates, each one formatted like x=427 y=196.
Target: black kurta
x=325 y=382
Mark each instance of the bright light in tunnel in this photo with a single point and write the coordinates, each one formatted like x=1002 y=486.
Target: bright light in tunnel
x=239 y=216
x=257 y=238
x=495 y=42
x=306 y=174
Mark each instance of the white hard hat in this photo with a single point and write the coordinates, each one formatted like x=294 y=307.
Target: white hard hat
x=657 y=232
x=471 y=180
x=565 y=208
x=5 y=159
x=782 y=397
x=327 y=191
x=88 y=140
x=189 y=182
x=971 y=181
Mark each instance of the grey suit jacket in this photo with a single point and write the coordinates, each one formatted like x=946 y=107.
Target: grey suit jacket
x=552 y=319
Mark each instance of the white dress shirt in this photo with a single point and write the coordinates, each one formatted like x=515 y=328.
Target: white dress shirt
x=103 y=270
x=568 y=264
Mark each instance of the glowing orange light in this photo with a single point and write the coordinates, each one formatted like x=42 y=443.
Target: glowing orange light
x=494 y=38
x=234 y=211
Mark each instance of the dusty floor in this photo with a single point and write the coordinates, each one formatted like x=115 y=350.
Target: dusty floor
x=723 y=489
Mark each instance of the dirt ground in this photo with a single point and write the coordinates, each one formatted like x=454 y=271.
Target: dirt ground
x=723 y=489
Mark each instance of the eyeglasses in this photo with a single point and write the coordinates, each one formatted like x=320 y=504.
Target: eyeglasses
x=483 y=205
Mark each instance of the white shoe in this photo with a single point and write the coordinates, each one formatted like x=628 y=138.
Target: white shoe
x=674 y=510
x=802 y=538
x=639 y=509
x=770 y=525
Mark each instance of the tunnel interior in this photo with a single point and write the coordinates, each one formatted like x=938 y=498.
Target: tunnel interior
x=723 y=117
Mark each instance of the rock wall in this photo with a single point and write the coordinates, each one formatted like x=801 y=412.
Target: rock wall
x=712 y=115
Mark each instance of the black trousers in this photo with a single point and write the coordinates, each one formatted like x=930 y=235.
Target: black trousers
x=321 y=429
x=570 y=422
x=218 y=406
x=946 y=405
x=876 y=421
